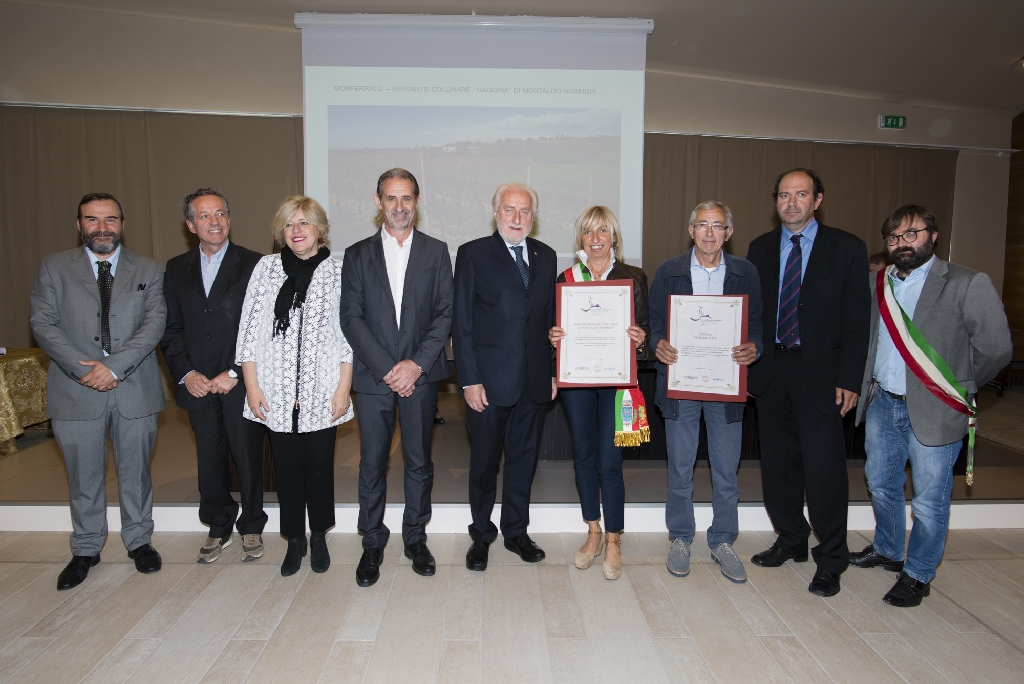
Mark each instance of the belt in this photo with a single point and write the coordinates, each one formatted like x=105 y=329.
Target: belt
x=898 y=397
x=781 y=347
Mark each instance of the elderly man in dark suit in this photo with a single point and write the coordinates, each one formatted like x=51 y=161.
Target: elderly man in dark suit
x=911 y=411
x=98 y=311
x=815 y=320
x=504 y=307
x=396 y=312
x=205 y=288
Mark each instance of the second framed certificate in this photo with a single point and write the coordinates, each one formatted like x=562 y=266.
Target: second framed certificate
x=596 y=351
x=704 y=329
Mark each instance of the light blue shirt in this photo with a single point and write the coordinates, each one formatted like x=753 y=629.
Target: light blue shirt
x=210 y=266
x=890 y=368
x=807 y=236
x=94 y=262
x=707 y=282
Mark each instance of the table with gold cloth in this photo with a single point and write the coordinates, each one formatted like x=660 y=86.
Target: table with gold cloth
x=22 y=393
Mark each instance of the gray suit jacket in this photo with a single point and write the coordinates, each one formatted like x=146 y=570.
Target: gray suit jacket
x=65 y=321
x=369 y=319
x=962 y=317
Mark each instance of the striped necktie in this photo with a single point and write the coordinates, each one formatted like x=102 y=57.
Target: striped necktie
x=789 y=297
x=524 y=270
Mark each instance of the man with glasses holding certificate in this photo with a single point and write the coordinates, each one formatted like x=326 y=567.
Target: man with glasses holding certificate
x=705 y=270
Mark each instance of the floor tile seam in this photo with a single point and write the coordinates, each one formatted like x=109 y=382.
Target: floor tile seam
x=911 y=647
x=111 y=650
x=1002 y=574
x=280 y=618
x=983 y=623
x=806 y=650
x=170 y=628
x=980 y=531
x=31 y=660
x=67 y=626
x=266 y=642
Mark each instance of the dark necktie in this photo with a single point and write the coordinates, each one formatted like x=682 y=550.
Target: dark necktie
x=789 y=297
x=104 y=280
x=524 y=270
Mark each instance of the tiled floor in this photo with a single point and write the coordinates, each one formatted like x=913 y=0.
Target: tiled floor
x=235 y=622
x=37 y=474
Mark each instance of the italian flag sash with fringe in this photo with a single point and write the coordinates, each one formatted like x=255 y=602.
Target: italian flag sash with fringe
x=631 y=427
x=924 y=362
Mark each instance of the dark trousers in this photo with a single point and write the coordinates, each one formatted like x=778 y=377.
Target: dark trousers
x=220 y=428
x=518 y=428
x=376 y=414
x=598 y=462
x=305 y=479
x=803 y=449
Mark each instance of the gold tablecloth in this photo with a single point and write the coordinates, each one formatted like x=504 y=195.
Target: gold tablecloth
x=22 y=391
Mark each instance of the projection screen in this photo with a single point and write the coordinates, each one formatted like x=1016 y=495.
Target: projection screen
x=469 y=102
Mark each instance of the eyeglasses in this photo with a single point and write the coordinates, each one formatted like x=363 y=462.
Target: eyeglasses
x=908 y=237
x=703 y=226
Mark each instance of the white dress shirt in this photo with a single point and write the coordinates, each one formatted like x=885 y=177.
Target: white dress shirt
x=512 y=253
x=396 y=258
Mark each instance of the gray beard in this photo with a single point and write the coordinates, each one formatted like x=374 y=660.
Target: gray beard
x=90 y=242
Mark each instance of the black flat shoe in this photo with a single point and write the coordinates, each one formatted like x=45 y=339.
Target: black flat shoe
x=422 y=559
x=368 y=570
x=476 y=557
x=319 y=558
x=869 y=558
x=146 y=558
x=293 y=556
x=907 y=592
x=75 y=572
x=524 y=547
x=775 y=556
x=824 y=583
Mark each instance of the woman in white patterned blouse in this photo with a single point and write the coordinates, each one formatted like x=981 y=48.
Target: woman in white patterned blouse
x=297 y=367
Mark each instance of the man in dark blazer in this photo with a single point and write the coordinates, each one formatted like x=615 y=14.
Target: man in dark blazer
x=205 y=288
x=98 y=312
x=396 y=312
x=815 y=316
x=504 y=307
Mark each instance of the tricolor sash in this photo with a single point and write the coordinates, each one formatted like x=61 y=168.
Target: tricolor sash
x=924 y=362
x=631 y=427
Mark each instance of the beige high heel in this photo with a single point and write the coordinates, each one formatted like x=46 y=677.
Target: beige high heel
x=585 y=560
x=612 y=571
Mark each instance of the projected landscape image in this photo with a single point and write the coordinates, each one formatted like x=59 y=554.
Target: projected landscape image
x=461 y=154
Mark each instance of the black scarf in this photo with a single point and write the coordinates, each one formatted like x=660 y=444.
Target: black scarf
x=293 y=291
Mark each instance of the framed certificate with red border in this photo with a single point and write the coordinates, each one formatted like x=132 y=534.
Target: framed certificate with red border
x=703 y=329
x=596 y=351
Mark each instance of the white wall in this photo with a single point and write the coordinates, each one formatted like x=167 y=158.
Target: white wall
x=82 y=57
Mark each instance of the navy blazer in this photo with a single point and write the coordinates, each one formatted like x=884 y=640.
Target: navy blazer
x=673 y=278
x=500 y=328
x=369 y=319
x=202 y=331
x=834 y=314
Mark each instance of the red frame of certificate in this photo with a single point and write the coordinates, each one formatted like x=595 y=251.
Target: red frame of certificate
x=709 y=396
x=558 y=321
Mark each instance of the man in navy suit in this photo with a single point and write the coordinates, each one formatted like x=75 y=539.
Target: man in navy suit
x=504 y=307
x=205 y=288
x=396 y=312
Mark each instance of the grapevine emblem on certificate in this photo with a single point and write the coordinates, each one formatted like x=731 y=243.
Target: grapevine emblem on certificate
x=596 y=351
x=704 y=329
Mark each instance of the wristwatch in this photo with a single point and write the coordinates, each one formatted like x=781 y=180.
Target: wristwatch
x=232 y=374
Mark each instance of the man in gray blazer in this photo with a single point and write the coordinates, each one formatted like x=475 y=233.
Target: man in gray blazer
x=98 y=311
x=959 y=315
x=396 y=312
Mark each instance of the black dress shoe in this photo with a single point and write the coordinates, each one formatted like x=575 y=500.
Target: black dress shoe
x=775 y=556
x=869 y=558
x=422 y=559
x=907 y=592
x=476 y=557
x=438 y=420
x=75 y=572
x=319 y=557
x=824 y=583
x=368 y=570
x=524 y=547
x=293 y=556
x=146 y=558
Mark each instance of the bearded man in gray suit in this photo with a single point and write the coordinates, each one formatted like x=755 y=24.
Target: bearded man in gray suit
x=938 y=333
x=98 y=311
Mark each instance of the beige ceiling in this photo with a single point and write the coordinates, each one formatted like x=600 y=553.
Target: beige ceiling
x=956 y=54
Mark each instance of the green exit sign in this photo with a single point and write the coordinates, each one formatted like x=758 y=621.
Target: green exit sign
x=890 y=121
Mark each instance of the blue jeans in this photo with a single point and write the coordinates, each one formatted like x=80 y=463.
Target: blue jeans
x=724 y=443
x=598 y=462
x=889 y=442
